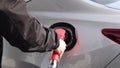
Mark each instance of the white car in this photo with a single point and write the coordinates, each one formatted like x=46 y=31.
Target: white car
x=93 y=50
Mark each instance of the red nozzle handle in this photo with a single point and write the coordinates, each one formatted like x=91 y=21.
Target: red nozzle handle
x=61 y=34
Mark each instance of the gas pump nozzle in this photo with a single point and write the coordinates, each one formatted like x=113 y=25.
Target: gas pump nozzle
x=55 y=57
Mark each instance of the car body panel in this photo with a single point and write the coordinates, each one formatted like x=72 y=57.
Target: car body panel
x=93 y=49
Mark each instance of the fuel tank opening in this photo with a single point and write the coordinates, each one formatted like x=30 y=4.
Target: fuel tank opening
x=70 y=35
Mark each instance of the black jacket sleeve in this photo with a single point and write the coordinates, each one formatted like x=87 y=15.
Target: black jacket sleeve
x=23 y=31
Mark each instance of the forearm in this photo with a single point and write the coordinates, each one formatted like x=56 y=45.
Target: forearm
x=26 y=32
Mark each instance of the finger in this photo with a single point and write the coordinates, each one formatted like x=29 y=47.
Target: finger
x=61 y=54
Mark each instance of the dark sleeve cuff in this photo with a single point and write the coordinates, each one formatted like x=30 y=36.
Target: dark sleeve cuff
x=57 y=40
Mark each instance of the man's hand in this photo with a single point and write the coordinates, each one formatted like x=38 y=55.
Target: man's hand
x=60 y=50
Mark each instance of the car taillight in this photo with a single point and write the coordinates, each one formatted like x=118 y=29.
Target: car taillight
x=113 y=34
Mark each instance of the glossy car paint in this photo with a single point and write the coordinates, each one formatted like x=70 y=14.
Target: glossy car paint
x=94 y=50
x=104 y=1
